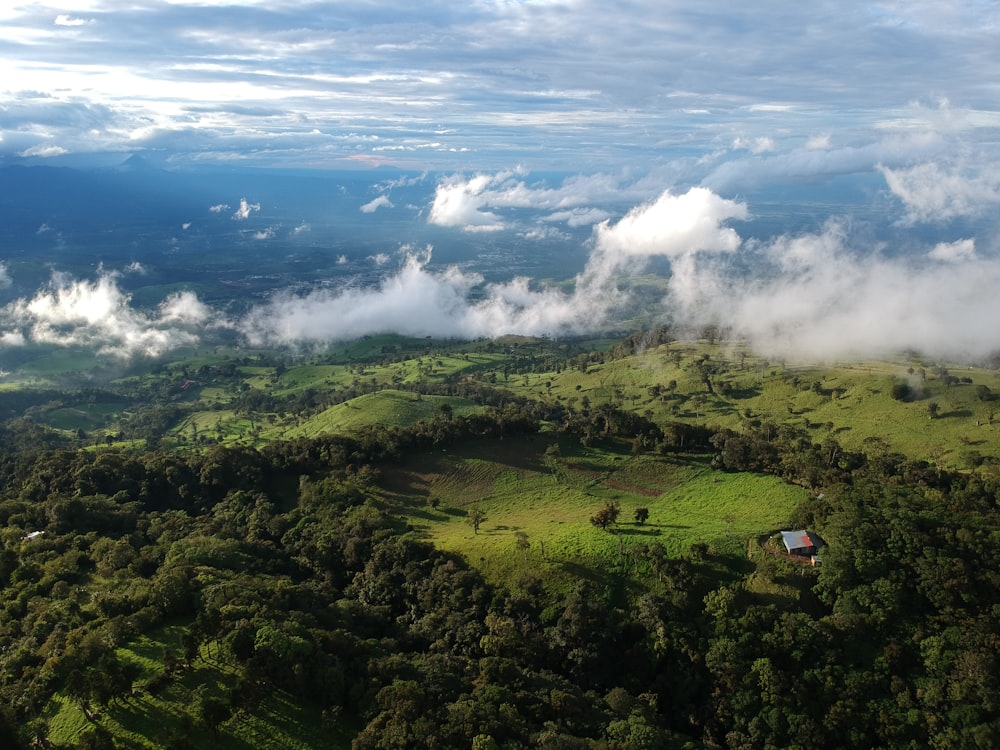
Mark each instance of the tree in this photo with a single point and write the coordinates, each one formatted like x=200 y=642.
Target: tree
x=476 y=518
x=932 y=409
x=641 y=515
x=522 y=542
x=902 y=391
x=210 y=710
x=606 y=516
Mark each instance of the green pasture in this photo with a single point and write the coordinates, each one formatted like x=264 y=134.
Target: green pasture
x=83 y=416
x=551 y=499
x=851 y=402
x=848 y=401
x=387 y=407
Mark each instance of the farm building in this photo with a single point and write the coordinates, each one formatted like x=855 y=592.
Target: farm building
x=803 y=543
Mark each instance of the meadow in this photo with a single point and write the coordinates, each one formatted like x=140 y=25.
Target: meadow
x=545 y=498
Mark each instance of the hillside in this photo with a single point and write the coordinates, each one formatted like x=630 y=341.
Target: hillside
x=408 y=543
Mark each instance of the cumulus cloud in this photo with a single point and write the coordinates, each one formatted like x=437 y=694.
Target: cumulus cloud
x=218 y=208
x=371 y=206
x=245 y=209
x=5 y=280
x=932 y=193
x=98 y=315
x=672 y=226
x=460 y=203
x=264 y=234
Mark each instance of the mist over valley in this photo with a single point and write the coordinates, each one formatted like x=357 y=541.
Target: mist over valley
x=136 y=260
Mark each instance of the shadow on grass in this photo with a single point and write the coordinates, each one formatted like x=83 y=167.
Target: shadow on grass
x=955 y=413
x=582 y=571
x=646 y=531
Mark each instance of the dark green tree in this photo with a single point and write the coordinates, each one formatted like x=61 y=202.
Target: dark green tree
x=606 y=516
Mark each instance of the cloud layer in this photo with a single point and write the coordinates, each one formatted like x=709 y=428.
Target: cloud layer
x=578 y=86
x=816 y=295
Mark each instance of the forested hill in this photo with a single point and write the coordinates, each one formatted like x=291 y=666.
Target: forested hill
x=280 y=596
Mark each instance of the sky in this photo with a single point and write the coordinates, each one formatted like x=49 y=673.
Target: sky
x=709 y=91
x=667 y=122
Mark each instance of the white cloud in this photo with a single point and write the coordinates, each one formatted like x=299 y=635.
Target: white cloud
x=44 y=151
x=219 y=208
x=814 y=298
x=12 y=339
x=579 y=217
x=245 y=209
x=97 y=314
x=264 y=234
x=931 y=193
x=185 y=308
x=459 y=203
x=476 y=203
x=381 y=201
x=65 y=20
x=5 y=280
x=301 y=229
x=951 y=252
x=673 y=225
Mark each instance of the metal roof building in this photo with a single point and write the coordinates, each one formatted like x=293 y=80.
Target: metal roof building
x=801 y=542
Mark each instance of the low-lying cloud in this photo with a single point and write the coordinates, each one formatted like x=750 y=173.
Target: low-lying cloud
x=98 y=315
x=820 y=295
x=932 y=193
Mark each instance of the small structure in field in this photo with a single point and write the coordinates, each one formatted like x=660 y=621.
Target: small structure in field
x=802 y=543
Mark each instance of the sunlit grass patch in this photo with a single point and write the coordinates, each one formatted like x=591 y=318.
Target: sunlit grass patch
x=552 y=501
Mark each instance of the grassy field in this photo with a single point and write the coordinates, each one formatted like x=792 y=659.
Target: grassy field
x=950 y=417
x=551 y=499
x=388 y=407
